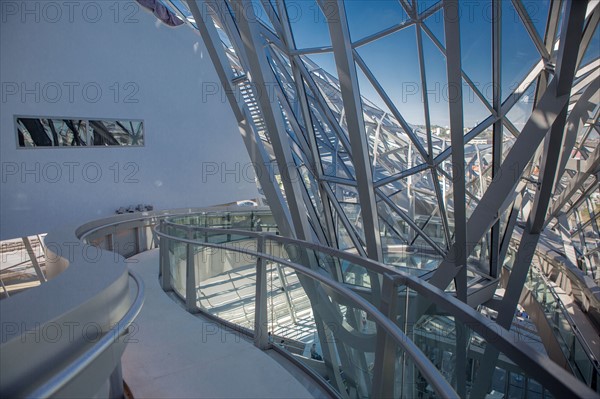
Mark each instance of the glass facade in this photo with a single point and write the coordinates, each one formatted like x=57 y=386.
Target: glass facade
x=448 y=139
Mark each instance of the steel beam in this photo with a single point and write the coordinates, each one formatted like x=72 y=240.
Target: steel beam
x=588 y=32
x=385 y=349
x=165 y=266
x=262 y=78
x=340 y=39
x=453 y=65
x=455 y=104
x=308 y=122
x=497 y=132
x=503 y=185
x=573 y=20
x=578 y=117
x=202 y=14
x=508 y=230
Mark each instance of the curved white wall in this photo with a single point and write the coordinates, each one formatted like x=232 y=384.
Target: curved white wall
x=160 y=73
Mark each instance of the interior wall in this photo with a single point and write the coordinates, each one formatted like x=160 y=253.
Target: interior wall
x=111 y=60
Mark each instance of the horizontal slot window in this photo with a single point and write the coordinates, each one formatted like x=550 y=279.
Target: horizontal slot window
x=60 y=132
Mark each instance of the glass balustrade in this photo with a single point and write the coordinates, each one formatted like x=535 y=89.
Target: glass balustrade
x=336 y=314
x=570 y=344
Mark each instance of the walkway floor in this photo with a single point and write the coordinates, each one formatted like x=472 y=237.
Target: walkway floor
x=173 y=354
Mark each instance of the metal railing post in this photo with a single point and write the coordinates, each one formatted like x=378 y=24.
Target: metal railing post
x=228 y=226
x=165 y=268
x=385 y=348
x=261 y=338
x=190 y=275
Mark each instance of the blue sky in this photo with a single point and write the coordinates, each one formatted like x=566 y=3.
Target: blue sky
x=394 y=59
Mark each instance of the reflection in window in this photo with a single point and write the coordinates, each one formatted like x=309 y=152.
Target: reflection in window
x=55 y=132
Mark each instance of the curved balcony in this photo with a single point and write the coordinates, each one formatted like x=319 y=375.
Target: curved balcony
x=350 y=322
x=230 y=265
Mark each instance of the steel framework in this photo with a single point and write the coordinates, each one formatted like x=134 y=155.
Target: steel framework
x=339 y=162
x=345 y=160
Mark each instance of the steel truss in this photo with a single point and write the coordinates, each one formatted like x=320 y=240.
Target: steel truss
x=341 y=163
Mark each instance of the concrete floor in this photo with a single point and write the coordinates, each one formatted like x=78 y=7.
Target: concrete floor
x=174 y=354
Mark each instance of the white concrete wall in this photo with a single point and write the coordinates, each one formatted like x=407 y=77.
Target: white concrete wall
x=160 y=73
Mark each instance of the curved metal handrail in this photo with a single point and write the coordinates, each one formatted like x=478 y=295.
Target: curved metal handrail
x=70 y=372
x=372 y=265
x=429 y=371
x=369 y=264
x=521 y=353
x=564 y=384
x=134 y=217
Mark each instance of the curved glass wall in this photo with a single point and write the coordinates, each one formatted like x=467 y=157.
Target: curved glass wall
x=413 y=124
x=423 y=134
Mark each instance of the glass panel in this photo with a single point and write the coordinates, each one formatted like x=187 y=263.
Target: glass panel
x=534 y=390
x=435 y=23
x=445 y=177
x=516 y=386
x=226 y=282
x=518 y=51
x=333 y=334
x=347 y=197
x=438 y=335
x=291 y=323
x=391 y=149
x=343 y=237
x=252 y=221
x=538 y=13
x=508 y=140
x=333 y=337
x=474 y=110
x=261 y=14
x=177 y=266
x=520 y=112
x=476 y=47
x=499 y=381
x=401 y=83
x=102 y=242
x=437 y=92
x=556 y=316
x=593 y=50
x=479 y=257
x=312 y=188
x=309 y=25
x=366 y=17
